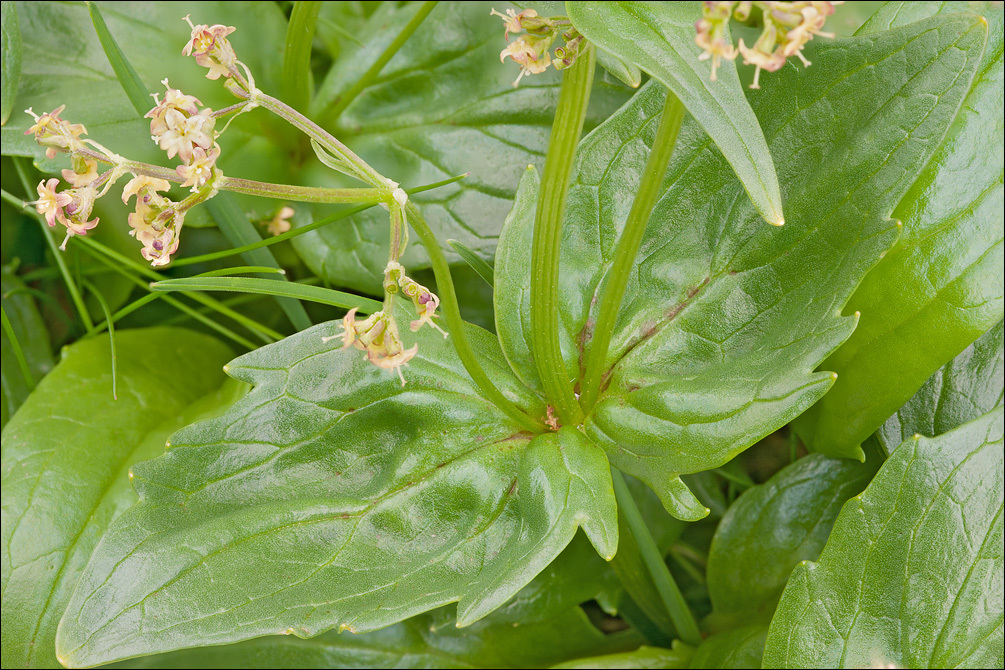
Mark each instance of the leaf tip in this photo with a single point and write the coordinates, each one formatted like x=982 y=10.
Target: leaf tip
x=779 y=222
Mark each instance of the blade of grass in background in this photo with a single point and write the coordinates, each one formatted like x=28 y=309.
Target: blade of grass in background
x=296 y=84
x=134 y=87
x=325 y=296
x=10 y=69
x=476 y=262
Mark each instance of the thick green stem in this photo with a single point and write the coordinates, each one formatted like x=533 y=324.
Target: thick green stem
x=452 y=313
x=565 y=133
x=680 y=615
x=300 y=193
x=627 y=249
x=343 y=101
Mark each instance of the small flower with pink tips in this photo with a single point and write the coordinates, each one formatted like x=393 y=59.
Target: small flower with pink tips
x=211 y=48
x=200 y=168
x=50 y=204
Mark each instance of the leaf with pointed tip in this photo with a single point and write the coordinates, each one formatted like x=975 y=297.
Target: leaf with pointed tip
x=443 y=105
x=65 y=458
x=725 y=319
x=912 y=574
x=941 y=287
x=331 y=496
x=659 y=38
x=960 y=391
x=771 y=528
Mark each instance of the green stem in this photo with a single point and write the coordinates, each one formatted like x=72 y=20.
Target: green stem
x=111 y=335
x=300 y=193
x=628 y=248
x=296 y=83
x=565 y=133
x=680 y=615
x=452 y=314
x=343 y=101
x=71 y=285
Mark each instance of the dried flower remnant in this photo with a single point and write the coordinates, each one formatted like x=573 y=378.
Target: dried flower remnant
x=280 y=223
x=788 y=26
x=377 y=336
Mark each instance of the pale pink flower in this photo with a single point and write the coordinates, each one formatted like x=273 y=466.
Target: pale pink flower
x=50 y=204
x=200 y=168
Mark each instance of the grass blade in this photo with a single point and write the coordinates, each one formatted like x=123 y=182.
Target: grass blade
x=325 y=296
x=296 y=84
x=10 y=35
x=476 y=262
x=131 y=83
x=22 y=362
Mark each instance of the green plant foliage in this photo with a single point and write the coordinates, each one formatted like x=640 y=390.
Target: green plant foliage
x=960 y=391
x=658 y=37
x=10 y=66
x=403 y=125
x=738 y=648
x=640 y=659
x=30 y=337
x=369 y=502
x=941 y=287
x=912 y=574
x=66 y=455
x=771 y=528
x=719 y=299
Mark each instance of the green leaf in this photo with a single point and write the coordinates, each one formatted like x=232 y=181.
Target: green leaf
x=474 y=261
x=282 y=289
x=66 y=455
x=296 y=82
x=442 y=106
x=30 y=336
x=726 y=318
x=771 y=528
x=640 y=659
x=960 y=391
x=659 y=38
x=334 y=497
x=912 y=573
x=737 y=648
x=941 y=287
x=10 y=67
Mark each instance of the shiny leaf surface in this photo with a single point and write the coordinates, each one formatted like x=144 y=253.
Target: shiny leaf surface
x=960 y=391
x=941 y=287
x=771 y=528
x=66 y=455
x=912 y=574
x=725 y=318
x=658 y=37
x=444 y=105
x=359 y=501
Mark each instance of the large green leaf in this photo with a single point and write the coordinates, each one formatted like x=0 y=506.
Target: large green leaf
x=331 y=496
x=941 y=286
x=960 y=391
x=912 y=574
x=66 y=455
x=10 y=66
x=640 y=659
x=725 y=318
x=444 y=105
x=424 y=641
x=30 y=336
x=771 y=528
x=659 y=38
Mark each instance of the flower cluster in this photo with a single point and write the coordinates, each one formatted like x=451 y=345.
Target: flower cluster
x=424 y=300
x=157 y=221
x=532 y=51
x=212 y=49
x=179 y=127
x=787 y=27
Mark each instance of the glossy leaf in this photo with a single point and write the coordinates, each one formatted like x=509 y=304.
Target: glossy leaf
x=442 y=106
x=738 y=648
x=639 y=659
x=960 y=391
x=771 y=528
x=66 y=455
x=10 y=66
x=941 y=287
x=912 y=574
x=659 y=38
x=32 y=339
x=359 y=503
x=725 y=318
x=420 y=642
